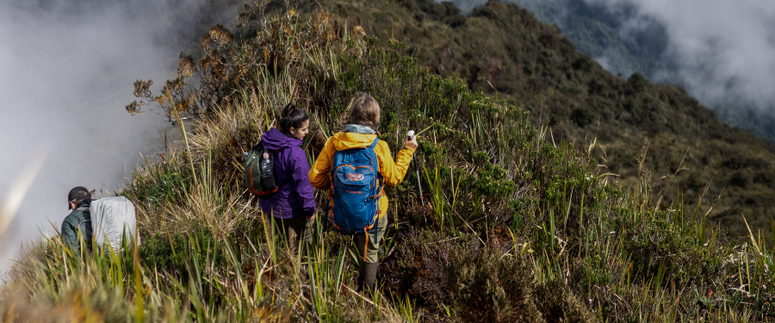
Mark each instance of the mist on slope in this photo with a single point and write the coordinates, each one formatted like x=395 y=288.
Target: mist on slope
x=721 y=48
x=67 y=71
x=722 y=52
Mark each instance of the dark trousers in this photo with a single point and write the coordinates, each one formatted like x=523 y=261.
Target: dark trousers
x=294 y=230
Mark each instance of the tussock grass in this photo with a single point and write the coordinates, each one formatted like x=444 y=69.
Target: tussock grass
x=521 y=227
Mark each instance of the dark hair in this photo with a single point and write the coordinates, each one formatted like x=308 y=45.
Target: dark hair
x=292 y=117
x=364 y=111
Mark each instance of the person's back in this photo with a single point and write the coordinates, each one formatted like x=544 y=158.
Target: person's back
x=292 y=199
x=293 y=205
x=78 y=222
x=360 y=133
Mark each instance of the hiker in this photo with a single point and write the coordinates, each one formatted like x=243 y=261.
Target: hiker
x=360 y=132
x=79 y=220
x=293 y=204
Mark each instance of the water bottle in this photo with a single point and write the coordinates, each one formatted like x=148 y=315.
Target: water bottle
x=267 y=167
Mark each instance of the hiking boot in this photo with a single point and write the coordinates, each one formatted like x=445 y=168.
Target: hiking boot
x=367 y=276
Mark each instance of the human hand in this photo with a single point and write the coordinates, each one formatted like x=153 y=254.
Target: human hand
x=311 y=218
x=411 y=143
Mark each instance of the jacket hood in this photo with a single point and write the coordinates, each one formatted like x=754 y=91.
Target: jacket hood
x=348 y=140
x=275 y=140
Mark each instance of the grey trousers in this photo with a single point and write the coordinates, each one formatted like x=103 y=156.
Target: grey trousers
x=371 y=246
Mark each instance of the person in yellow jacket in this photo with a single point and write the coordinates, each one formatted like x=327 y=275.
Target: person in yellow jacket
x=360 y=133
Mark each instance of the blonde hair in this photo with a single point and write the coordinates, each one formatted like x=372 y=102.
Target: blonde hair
x=364 y=110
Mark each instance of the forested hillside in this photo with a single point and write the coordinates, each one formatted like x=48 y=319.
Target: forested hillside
x=505 y=52
x=520 y=224
x=596 y=30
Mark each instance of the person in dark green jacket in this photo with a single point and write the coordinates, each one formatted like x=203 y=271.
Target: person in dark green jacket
x=79 y=220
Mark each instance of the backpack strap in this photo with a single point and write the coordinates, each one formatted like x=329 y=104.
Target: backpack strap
x=276 y=153
x=374 y=144
x=375 y=227
x=379 y=177
x=366 y=244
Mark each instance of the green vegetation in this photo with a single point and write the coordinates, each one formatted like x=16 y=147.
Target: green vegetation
x=505 y=52
x=593 y=29
x=522 y=225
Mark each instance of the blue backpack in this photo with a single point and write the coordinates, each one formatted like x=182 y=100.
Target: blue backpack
x=356 y=187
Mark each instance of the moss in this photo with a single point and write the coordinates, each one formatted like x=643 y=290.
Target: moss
x=488 y=288
x=558 y=304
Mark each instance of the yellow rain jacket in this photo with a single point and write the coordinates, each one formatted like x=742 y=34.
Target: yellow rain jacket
x=392 y=172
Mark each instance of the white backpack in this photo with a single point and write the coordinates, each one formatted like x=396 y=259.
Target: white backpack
x=111 y=218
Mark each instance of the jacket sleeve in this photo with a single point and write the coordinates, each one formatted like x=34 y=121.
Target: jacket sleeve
x=301 y=182
x=393 y=172
x=70 y=237
x=319 y=175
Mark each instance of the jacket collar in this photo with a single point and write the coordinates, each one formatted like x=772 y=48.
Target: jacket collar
x=356 y=128
x=83 y=205
x=274 y=139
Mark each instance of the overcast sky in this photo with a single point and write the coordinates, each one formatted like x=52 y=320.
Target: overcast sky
x=66 y=72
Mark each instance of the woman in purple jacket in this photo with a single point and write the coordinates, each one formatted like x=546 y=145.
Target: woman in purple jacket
x=293 y=205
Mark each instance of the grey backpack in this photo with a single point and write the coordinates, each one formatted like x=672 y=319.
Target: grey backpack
x=112 y=219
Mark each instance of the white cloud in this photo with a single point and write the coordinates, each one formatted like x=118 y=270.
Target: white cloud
x=724 y=50
x=66 y=71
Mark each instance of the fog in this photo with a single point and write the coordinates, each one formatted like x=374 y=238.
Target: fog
x=66 y=72
x=722 y=48
x=722 y=52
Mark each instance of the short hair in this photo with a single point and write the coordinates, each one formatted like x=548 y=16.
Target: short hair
x=364 y=110
x=292 y=117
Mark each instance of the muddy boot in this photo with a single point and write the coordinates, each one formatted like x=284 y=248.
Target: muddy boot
x=369 y=276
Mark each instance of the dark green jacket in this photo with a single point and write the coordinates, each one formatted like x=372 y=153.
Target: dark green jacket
x=78 y=220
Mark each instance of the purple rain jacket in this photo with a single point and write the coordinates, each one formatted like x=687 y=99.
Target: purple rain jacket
x=295 y=195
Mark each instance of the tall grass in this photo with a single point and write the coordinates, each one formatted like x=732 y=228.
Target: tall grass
x=524 y=228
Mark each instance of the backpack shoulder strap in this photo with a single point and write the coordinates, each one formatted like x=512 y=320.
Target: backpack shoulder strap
x=374 y=144
x=379 y=175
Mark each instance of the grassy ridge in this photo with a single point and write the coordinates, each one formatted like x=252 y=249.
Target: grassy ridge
x=504 y=51
x=521 y=225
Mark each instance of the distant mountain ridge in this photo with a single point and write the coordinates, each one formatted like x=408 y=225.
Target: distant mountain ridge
x=594 y=31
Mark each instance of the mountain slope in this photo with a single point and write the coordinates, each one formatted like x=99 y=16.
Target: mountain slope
x=503 y=50
x=595 y=30
x=517 y=226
